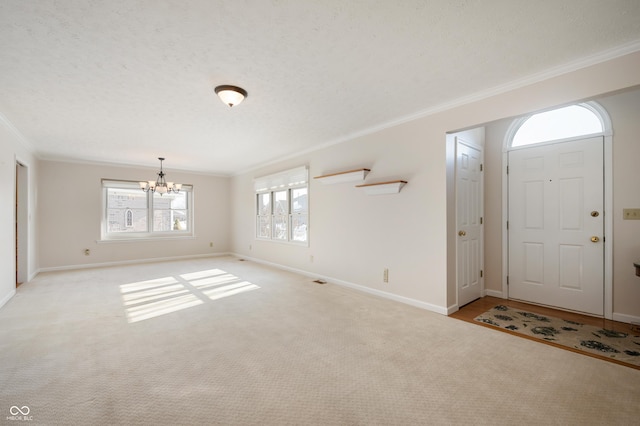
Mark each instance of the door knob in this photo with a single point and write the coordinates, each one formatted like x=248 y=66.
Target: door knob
x=595 y=239
x=462 y=233
x=595 y=214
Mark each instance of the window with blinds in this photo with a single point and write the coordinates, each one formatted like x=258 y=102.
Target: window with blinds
x=282 y=206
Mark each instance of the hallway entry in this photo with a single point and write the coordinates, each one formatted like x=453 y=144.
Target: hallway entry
x=21 y=222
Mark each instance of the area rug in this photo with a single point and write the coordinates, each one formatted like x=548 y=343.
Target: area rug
x=615 y=345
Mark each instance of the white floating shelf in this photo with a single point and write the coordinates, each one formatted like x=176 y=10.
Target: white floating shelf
x=357 y=175
x=380 y=188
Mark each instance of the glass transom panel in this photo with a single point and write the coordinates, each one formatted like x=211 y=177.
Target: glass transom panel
x=562 y=123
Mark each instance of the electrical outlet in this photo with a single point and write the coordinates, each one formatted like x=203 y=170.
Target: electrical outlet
x=385 y=275
x=631 y=214
x=87 y=252
x=311 y=258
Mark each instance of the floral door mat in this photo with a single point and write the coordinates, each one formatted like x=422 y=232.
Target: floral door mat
x=615 y=345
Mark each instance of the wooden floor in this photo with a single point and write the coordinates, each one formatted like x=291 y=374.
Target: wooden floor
x=482 y=305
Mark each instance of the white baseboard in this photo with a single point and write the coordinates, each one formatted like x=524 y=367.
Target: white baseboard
x=494 y=293
x=130 y=262
x=402 y=299
x=630 y=319
x=453 y=308
x=8 y=297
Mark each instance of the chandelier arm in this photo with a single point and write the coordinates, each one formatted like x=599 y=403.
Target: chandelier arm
x=160 y=183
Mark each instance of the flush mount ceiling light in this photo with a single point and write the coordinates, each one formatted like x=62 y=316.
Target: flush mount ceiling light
x=231 y=95
x=160 y=185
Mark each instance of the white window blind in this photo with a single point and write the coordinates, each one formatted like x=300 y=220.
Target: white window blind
x=285 y=179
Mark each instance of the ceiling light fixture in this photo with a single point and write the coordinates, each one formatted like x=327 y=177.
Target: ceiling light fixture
x=231 y=95
x=160 y=185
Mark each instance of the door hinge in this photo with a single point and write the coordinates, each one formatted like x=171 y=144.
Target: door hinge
x=481 y=273
x=507 y=279
x=507 y=169
x=481 y=167
x=481 y=221
x=507 y=224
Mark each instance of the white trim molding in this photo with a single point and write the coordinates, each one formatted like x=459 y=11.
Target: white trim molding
x=8 y=297
x=129 y=262
x=397 y=298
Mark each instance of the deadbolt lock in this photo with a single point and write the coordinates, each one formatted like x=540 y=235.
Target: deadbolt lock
x=595 y=214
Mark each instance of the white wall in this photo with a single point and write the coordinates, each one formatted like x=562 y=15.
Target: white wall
x=353 y=237
x=71 y=210
x=12 y=149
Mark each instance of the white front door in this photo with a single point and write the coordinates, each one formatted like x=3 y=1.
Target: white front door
x=469 y=207
x=556 y=225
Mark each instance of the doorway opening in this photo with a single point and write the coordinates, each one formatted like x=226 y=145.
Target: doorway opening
x=556 y=196
x=21 y=222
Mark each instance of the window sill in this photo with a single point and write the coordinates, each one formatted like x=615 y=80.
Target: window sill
x=145 y=239
x=289 y=243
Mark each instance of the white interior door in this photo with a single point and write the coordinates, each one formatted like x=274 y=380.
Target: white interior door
x=469 y=207
x=556 y=226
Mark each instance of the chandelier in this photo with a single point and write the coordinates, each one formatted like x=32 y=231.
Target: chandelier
x=160 y=185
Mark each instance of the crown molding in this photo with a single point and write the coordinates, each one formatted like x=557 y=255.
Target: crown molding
x=585 y=62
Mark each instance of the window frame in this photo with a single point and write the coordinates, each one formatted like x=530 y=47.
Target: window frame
x=595 y=109
x=149 y=234
x=287 y=182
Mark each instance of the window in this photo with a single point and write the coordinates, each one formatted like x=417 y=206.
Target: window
x=299 y=214
x=282 y=212
x=263 y=227
x=562 y=123
x=130 y=213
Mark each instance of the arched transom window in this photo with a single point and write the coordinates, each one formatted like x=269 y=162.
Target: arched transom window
x=558 y=124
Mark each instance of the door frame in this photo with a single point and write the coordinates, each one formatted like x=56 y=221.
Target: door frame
x=453 y=140
x=608 y=196
x=21 y=219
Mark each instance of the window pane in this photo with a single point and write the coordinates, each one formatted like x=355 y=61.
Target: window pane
x=170 y=213
x=280 y=206
x=561 y=123
x=299 y=200
x=280 y=227
x=126 y=210
x=170 y=201
x=170 y=220
x=264 y=226
x=299 y=227
x=264 y=204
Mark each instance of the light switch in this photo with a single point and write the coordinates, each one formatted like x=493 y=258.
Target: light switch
x=631 y=214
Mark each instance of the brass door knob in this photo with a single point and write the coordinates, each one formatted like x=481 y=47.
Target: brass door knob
x=595 y=214
x=462 y=233
x=595 y=239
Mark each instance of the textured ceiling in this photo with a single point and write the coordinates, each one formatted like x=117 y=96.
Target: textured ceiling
x=126 y=81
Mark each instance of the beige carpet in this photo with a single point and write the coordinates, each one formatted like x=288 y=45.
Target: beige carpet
x=218 y=341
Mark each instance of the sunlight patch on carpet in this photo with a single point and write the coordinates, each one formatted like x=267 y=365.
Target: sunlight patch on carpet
x=148 y=299
x=612 y=344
